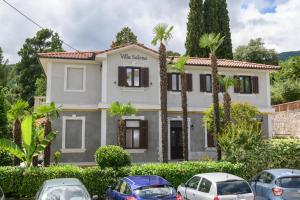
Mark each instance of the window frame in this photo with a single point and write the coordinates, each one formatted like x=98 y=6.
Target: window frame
x=187 y=186
x=244 y=84
x=204 y=179
x=208 y=91
x=66 y=89
x=73 y=150
x=265 y=174
x=178 y=79
x=132 y=77
x=132 y=135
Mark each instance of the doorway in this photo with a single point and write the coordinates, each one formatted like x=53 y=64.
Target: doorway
x=176 y=145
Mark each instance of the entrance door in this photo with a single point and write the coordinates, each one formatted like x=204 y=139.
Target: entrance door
x=176 y=140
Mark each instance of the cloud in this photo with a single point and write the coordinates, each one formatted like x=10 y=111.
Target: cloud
x=92 y=24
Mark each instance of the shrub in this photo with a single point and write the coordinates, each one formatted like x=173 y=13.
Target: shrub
x=5 y=158
x=112 y=156
x=57 y=157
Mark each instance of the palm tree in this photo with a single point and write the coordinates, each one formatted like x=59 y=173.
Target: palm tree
x=213 y=41
x=33 y=140
x=179 y=67
x=226 y=82
x=120 y=110
x=16 y=113
x=48 y=112
x=162 y=34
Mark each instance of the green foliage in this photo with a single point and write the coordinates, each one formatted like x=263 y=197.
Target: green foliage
x=20 y=182
x=44 y=41
x=172 y=53
x=226 y=81
x=124 y=36
x=5 y=158
x=249 y=115
x=162 y=33
x=216 y=20
x=4 y=70
x=18 y=110
x=40 y=86
x=117 y=109
x=3 y=115
x=112 y=156
x=57 y=157
x=256 y=52
x=211 y=41
x=48 y=111
x=195 y=29
x=33 y=140
x=179 y=66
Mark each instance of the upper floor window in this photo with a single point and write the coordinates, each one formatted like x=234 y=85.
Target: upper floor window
x=136 y=134
x=74 y=78
x=133 y=77
x=246 y=85
x=174 y=82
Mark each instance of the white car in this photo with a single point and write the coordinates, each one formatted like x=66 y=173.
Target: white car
x=215 y=186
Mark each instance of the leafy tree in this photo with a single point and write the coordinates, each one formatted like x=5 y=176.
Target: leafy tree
x=216 y=20
x=4 y=69
x=172 y=53
x=195 y=29
x=162 y=34
x=40 y=86
x=256 y=52
x=213 y=42
x=226 y=82
x=179 y=67
x=123 y=37
x=44 y=41
x=33 y=140
x=120 y=110
x=3 y=117
x=48 y=112
x=16 y=113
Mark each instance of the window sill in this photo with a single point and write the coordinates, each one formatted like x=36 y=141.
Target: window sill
x=175 y=92
x=212 y=149
x=136 y=150
x=246 y=94
x=133 y=89
x=73 y=150
x=67 y=90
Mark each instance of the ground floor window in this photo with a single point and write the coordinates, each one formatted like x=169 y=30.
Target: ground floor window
x=136 y=134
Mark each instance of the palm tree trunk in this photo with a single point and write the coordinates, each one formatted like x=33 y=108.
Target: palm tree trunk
x=215 y=92
x=184 y=116
x=227 y=106
x=47 y=151
x=163 y=101
x=17 y=139
x=121 y=136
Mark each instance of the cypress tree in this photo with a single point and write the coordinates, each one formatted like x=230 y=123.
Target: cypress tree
x=3 y=117
x=195 y=29
x=216 y=20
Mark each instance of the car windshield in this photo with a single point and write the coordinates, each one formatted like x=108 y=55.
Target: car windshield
x=155 y=191
x=73 y=192
x=289 y=182
x=233 y=187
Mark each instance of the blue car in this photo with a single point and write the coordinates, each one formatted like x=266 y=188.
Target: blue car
x=277 y=184
x=141 y=187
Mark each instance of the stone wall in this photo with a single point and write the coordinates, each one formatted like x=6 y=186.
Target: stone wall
x=286 y=123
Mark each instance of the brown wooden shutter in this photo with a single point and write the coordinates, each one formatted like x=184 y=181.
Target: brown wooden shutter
x=144 y=134
x=202 y=82
x=145 y=77
x=255 y=86
x=169 y=81
x=189 y=82
x=237 y=84
x=121 y=76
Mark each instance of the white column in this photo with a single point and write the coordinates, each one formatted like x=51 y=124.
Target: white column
x=49 y=77
x=160 y=156
x=103 y=100
x=103 y=126
x=268 y=89
x=270 y=128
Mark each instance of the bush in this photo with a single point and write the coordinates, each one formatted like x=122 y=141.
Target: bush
x=5 y=158
x=112 y=156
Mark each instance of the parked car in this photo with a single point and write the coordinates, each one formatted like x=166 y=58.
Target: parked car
x=141 y=187
x=2 y=197
x=63 y=189
x=215 y=186
x=277 y=184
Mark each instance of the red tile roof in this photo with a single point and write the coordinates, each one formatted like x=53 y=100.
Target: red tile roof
x=226 y=63
x=86 y=55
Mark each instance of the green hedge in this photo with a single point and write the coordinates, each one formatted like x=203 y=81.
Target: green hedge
x=18 y=182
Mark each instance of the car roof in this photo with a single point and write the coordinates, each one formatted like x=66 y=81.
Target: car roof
x=219 y=176
x=61 y=182
x=135 y=182
x=284 y=172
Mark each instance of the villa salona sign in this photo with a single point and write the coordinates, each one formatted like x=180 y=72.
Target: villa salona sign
x=133 y=57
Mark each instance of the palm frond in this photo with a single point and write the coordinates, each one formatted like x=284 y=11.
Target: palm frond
x=44 y=143
x=12 y=148
x=117 y=109
x=162 y=33
x=226 y=81
x=211 y=41
x=179 y=66
x=18 y=110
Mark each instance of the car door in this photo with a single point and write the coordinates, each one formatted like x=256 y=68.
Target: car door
x=191 y=188
x=262 y=186
x=204 y=190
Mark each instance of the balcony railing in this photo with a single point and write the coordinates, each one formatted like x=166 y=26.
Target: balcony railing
x=39 y=100
x=295 y=105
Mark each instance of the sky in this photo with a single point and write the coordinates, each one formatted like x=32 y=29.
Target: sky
x=93 y=24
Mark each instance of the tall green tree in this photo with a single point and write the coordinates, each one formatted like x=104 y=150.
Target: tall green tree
x=3 y=117
x=195 y=29
x=213 y=42
x=179 y=67
x=216 y=20
x=44 y=41
x=4 y=69
x=256 y=52
x=162 y=34
x=123 y=37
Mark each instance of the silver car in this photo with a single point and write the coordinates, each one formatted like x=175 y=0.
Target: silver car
x=2 y=197
x=63 y=189
x=215 y=186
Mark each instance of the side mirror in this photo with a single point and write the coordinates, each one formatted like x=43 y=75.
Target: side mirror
x=95 y=197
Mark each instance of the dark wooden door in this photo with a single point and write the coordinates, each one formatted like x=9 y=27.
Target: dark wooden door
x=176 y=143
